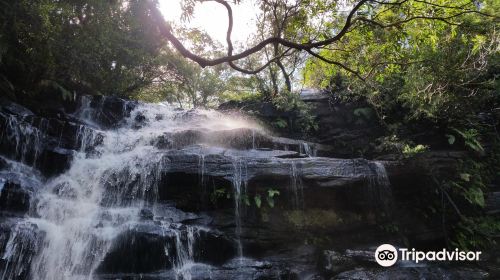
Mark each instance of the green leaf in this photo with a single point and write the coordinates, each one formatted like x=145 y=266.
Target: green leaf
x=258 y=201
x=451 y=139
x=270 y=202
x=246 y=200
x=475 y=196
x=272 y=193
x=465 y=177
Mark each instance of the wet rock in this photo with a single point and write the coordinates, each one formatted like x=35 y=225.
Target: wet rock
x=191 y=115
x=55 y=161
x=105 y=111
x=139 y=121
x=410 y=273
x=213 y=248
x=65 y=190
x=46 y=144
x=146 y=214
x=15 y=109
x=350 y=129
x=17 y=184
x=241 y=139
x=20 y=140
x=19 y=243
x=14 y=198
x=150 y=248
x=139 y=250
x=325 y=172
x=3 y=164
x=336 y=262
x=163 y=142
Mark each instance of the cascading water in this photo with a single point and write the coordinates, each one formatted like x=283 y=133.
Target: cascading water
x=297 y=189
x=23 y=240
x=239 y=181
x=381 y=191
x=82 y=211
x=120 y=208
x=306 y=149
x=27 y=138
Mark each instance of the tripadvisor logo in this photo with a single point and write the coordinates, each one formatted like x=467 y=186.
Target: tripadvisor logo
x=387 y=255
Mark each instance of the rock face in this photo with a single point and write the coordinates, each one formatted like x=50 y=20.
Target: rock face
x=105 y=111
x=112 y=189
x=349 y=129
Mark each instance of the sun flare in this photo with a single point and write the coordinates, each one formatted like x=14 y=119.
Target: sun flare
x=212 y=18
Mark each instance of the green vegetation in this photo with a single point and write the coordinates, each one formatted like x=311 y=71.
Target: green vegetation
x=440 y=75
x=256 y=199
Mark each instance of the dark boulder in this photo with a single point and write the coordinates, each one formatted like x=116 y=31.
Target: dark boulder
x=14 y=198
x=55 y=161
x=14 y=108
x=150 y=248
x=3 y=164
x=139 y=250
x=105 y=111
x=213 y=248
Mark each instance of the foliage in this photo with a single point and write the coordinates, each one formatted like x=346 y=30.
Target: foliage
x=291 y=102
x=428 y=77
x=100 y=47
x=409 y=151
x=470 y=137
x=473 y=230
x=476 y=232
x=423 y=69
x=270 y=197
x=280 y=123
x=270 y=194
x=91 y=46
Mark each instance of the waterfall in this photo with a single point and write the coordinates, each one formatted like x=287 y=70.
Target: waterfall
x=239 y=181
x=296 y=186
x=253 y=140
x=201 y=172
x=27 y=138
x=184 y=258
x=113 y=199
x=20 y=247
x=381 y=189
x=113 y=177
x=305 y=148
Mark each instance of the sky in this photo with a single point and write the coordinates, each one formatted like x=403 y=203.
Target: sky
x=212 y=18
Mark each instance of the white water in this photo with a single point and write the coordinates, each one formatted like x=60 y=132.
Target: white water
x=381 y=189
x=27 y=138
x=297 y=189
x=83 y=210
x=239 y=183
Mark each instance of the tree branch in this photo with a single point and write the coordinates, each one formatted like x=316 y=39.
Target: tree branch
x=336 y=63
x=167 y=32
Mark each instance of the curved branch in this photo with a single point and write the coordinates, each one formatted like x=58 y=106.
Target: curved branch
x=443 y=19
x=251 y=72
x=336 y=63
x=166 y=31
